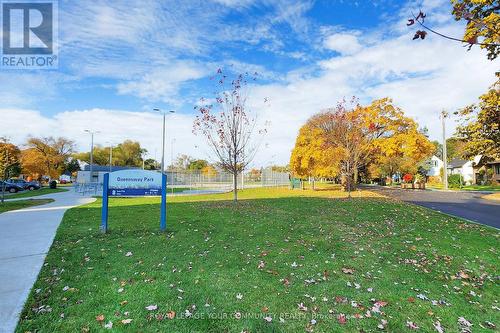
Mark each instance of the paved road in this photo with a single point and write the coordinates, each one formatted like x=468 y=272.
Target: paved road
x=25 y=237
x=468 y=205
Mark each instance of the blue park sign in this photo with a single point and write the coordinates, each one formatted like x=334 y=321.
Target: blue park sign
x=126 y=183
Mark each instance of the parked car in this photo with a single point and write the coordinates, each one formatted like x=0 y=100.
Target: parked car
x=24 y=184
x=9 y=187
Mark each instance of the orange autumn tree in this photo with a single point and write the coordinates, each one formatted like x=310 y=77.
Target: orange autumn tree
x=342 y=140
x=46 y=156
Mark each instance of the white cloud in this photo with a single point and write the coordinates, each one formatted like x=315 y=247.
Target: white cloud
x=163 y=83
x=422 y=77
x=113 y=126
x=343 y=43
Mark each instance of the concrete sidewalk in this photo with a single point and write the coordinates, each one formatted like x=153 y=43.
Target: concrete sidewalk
x=25 y=238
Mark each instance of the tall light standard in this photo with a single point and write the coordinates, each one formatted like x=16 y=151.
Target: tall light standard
x=91 y=151
x=163 y=139
x=110 y=155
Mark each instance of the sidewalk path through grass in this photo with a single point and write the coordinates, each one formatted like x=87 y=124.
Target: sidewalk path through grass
x=25 y=238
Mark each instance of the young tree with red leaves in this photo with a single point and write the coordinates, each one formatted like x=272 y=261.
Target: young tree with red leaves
x=229 y=125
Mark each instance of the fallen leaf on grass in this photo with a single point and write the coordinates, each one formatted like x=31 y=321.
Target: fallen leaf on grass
x=171 y=314
x=411 y=325
x=99 y=318
x=109 y=325
x=341 y=318
x=126 y=321
x=128 y=254
x=347 y=270
x=438 y=327
x=151 y=307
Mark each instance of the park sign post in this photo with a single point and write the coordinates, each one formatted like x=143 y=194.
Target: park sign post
x=127 y=183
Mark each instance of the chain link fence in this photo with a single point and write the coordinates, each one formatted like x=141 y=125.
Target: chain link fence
x=192 y=182
x=224 y=180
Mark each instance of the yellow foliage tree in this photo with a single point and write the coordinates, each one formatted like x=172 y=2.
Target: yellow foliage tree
x=378 y=136
x=311 y=157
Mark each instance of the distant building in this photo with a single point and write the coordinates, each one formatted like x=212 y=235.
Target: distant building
x=482 y=166
x=495 y=165
x=435 y=165
x=461 y=167
x=98 y=171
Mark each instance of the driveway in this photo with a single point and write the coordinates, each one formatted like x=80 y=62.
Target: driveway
x=25 y=238
x=468 y=205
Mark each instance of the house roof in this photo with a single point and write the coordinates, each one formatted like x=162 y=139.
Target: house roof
x=105 y=168
x=456 y=163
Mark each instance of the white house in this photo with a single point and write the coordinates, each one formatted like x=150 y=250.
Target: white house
x=435 y=166
x=461 y=167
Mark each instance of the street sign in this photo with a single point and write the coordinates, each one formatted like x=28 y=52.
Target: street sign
x=134 y=183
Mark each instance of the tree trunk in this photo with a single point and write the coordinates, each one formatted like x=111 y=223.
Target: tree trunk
x=235 y=186
x=355 y=180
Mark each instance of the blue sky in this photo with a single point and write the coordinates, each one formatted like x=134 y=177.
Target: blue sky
x=119 y=59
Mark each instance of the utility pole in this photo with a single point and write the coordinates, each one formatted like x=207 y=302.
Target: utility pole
x=444 y=114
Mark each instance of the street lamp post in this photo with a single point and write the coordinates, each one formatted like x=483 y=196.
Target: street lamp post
x=91 y=151
x=163 y=139
x=110 y=156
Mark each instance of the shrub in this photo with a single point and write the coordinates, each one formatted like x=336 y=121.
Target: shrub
x=53 y=184
x=455 y=181
x=419 y=178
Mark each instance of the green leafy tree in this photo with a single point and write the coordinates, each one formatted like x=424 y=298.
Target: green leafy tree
x=151 y=164
x=72 y=166
x=128 y=153
x=100 y=156
x=197 y=165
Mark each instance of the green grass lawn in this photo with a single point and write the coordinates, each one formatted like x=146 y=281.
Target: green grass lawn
x=34 y=193
x=13 y=205
x=177 y=189
x=278 y=261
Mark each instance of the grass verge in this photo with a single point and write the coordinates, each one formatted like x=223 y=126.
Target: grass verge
x=13 y=205
x=278 y=261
